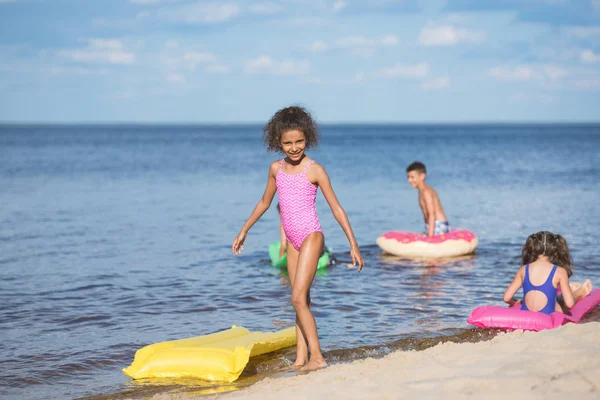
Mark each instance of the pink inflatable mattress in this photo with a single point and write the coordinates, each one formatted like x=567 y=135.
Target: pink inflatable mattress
x=513 y=318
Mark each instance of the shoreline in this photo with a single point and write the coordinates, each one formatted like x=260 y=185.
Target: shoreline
x=547 y=364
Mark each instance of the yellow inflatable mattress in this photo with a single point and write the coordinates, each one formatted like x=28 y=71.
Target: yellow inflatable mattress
x=219 y=357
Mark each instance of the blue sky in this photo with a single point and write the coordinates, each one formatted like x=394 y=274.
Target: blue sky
x=235 y=61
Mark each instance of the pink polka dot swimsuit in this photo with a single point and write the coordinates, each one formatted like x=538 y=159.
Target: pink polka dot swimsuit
x=297 y=196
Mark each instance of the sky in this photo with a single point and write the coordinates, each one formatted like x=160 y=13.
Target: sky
x=347 y=61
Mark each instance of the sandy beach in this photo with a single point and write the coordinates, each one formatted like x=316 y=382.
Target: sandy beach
x=549 y=364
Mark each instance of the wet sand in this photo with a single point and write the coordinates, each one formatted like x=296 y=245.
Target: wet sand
x=550 y=364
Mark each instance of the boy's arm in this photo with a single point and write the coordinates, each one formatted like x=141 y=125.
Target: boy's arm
x=513 y=287
x=430 y=212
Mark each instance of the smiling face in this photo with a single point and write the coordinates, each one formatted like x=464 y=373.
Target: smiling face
x=415 y=178
x=293 y=143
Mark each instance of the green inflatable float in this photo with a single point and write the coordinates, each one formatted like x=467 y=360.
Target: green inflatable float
x=274 y=248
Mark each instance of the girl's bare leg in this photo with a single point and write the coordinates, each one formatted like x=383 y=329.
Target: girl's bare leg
x=301 y=343
x=306 y=269
x=580 y=290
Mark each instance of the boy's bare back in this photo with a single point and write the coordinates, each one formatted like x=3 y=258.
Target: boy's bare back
x=430 y=203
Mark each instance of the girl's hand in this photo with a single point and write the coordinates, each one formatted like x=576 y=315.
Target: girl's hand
x=356 y=257
x=238 y=243
x=514 y=301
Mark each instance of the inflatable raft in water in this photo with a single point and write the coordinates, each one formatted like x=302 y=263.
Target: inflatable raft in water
x=514 y=318
x=274 y=248
x=219 y=357
x=458 y=242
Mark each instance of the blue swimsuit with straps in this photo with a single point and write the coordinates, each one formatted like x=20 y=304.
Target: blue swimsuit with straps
x=547 y=288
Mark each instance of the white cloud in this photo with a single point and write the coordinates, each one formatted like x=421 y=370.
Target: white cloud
x=357 y=44
x=553 y=2
x=64 y=70
x=458 y=18
x=146 y=2
x=353 y=41
x=258 y=64
x=267 y=65
x=175 y=78
x=339 y=80
x=583 y=32
x=192 y=59
x=318 y=46
x=549 y=77
x=522 y=97
x=436 y=83
x=555 y=72
x=195 y=13
x=447 y=35
x=525 y=73
x=361 y=41
x=266 y=8
x=389 y=40
x=312 y=22
x=588 y=83
x=109 y=51
x=518 y=73
x=589 y=57
x=420 y=70
x=177 y=59
x=364 y=52
x=218 y=68
x=358 y=77
x=339 y=6
x=291 y=67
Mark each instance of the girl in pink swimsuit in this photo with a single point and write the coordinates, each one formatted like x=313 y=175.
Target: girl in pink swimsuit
x=296 y=178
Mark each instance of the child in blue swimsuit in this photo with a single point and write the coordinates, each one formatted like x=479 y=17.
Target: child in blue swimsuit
x=546 y=265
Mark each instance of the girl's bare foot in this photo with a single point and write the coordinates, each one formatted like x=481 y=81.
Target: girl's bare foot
x=575 y=286
x=314 y=364
x=296 y=365
x=584 y=290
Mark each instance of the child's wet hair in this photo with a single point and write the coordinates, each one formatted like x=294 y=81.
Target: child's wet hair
x=287 y=119
x=417 y=166
x=553 y=246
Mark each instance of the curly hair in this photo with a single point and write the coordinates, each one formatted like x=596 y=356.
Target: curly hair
x=553 y=246
x=287 y=119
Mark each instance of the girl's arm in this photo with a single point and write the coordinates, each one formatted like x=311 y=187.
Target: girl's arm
x=563 y=282
x=514 y=287
x=283 y=239
x=322 y=179
x=263 y=205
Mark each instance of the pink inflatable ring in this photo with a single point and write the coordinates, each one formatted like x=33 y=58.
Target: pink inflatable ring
x=458 y=242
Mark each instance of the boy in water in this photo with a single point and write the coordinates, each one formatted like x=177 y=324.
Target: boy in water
x=436 y=222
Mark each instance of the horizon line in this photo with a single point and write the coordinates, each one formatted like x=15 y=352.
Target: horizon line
x=254 y=123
